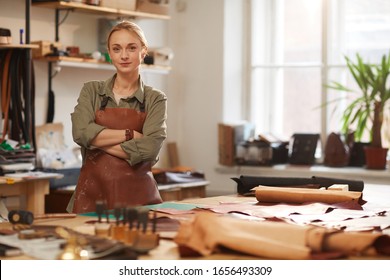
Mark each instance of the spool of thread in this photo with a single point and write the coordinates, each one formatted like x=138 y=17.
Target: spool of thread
x=20 y=217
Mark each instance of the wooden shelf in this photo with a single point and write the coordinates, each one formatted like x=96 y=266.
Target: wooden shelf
x=64 y=61
x=158 y=69
x=106 y=11
x=18 y=46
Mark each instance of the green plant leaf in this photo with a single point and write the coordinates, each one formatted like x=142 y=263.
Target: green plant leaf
x=374 y=85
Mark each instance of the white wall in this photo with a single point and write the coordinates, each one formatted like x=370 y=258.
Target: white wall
x=195 y=87
x=198 y=81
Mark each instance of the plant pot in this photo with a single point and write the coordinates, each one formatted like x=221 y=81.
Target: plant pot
x=375 y=157
x=357 y=157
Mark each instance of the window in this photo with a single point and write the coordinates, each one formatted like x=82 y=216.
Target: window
x=298 y=46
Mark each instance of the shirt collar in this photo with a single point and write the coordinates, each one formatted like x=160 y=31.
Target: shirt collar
x=109 y=83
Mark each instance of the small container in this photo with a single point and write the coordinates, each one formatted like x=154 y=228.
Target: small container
x=93 y=2
x=102 y=229
x=5 y=36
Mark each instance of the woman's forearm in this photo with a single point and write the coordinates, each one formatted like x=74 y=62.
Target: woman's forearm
x=115 y=150
x=109 y=137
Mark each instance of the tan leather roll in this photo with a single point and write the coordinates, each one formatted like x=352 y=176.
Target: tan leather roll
x=303 y=195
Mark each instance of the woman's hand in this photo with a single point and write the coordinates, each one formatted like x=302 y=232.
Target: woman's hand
x=137 y=135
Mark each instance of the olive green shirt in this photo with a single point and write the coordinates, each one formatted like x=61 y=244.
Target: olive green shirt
x=147 y=148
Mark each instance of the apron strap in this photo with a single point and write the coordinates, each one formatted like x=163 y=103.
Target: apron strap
x=142 y=107
x=104 y=102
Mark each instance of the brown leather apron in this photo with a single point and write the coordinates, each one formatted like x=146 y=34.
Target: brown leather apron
x=111 y=179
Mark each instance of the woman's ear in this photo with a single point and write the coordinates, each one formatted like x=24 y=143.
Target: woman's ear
x=144 y=52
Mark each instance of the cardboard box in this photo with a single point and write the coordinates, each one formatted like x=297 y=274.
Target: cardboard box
x=229 y=135
x=128 y=5
x=45 y=47
x=226 y=146
x=160 y=7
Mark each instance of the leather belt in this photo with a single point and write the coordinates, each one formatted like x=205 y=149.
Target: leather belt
x=14 y=109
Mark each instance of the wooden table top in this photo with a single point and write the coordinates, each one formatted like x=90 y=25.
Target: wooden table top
x=377 y=196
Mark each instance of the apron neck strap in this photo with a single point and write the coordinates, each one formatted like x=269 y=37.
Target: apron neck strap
x=104 y=102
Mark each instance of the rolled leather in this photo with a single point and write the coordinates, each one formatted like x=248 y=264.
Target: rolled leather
x=302 y=195
x=210 y=233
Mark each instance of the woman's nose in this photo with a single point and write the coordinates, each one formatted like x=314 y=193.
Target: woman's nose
x=124 y=54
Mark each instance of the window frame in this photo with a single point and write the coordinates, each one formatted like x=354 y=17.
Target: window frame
x=332 y=13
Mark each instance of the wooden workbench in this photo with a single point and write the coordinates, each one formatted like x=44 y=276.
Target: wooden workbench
x=57 y=199
x=377 y=197
x=33 y=189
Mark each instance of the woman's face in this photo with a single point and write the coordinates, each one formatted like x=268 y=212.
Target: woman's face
x=126 y=51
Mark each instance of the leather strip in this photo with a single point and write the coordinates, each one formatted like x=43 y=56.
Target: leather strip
x=5 y=92
x=14 y=89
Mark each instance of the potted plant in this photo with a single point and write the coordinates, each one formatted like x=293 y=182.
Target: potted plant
x=366 y=111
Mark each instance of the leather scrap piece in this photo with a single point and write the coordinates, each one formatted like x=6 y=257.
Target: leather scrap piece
x=208 y=233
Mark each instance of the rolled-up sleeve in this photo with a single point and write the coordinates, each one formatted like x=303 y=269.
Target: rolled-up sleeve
x=84 y=128
x=154 y=131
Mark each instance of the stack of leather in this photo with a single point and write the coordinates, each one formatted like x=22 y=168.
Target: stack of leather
x=178 y=174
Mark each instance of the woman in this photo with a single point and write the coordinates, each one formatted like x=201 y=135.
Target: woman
x=120 y=125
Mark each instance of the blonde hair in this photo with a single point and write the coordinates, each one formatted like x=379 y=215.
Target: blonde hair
x=129 y=26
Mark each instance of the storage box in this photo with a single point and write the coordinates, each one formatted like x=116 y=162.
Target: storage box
x=128 y=5
x=229 y=136
x=153 y=6
x=5 y=36
x=161 y=57
x=45 y=47
x=256 y=153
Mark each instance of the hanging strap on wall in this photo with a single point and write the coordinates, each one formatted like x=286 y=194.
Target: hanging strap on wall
x=17 y=108
x=5 y=91
x=50 y=98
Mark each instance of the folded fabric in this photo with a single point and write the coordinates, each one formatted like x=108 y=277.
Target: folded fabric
x=208 y=233
x=303 y=195
x=164 y=177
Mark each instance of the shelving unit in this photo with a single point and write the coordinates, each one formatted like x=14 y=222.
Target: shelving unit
x=90 y=9
x=105 y=11
x=18 y=85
